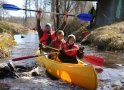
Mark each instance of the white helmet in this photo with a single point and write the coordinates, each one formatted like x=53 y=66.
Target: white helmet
x=71 y=36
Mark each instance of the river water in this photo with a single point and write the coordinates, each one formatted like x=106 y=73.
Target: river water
x=114 y=63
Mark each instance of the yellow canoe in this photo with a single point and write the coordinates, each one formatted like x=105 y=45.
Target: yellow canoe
x=80 y=74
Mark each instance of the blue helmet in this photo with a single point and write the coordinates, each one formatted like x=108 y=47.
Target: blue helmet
x=48 y=25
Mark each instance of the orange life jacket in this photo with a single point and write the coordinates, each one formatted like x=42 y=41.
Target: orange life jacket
x=57 y=44
x=44 y=38
x=70 y=53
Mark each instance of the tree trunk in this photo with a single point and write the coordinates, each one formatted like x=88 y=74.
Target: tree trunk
x=52 y=10
x=26 y=12
x=57 y=16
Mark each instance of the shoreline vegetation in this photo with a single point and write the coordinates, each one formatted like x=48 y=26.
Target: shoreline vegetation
x=109 y=37
x=7 y=31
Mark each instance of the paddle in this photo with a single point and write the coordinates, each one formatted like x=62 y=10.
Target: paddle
x=82 y=16
x=27 y=57
x=94 y=60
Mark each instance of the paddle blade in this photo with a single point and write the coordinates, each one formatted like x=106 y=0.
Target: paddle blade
x=94 y=60
x=10 y=7
x=85 y=17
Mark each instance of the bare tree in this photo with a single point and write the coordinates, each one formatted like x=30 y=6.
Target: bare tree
x=31 y=16
x=75 y=8
x=3 y=12
x=53 y=10
x=26 y=11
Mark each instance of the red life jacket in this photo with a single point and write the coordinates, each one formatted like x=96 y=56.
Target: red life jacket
x=44 y=38
x=85 y=34
x=70 y=53
x=57 y=44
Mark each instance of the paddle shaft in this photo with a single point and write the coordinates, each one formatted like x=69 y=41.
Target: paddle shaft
x=59 y=13
x=29 y=10
x=27 y=57
x=46 y=12
x=60 y=49
x=88 y=58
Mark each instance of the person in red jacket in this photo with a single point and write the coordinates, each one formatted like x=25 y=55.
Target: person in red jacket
x=70 y=57
x=46 y=35
x=84 y=34
x=58 y=43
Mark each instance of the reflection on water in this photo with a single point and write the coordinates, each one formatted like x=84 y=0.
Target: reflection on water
x=110 y=58
x=27 y=46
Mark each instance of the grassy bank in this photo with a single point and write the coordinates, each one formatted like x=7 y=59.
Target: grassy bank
x=6 y=42
x=110 y=37
x=7 y=31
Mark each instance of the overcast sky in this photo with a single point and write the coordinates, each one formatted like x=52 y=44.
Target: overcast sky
x=18 y=3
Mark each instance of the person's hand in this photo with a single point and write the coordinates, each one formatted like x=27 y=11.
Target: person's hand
x=39 y=13
x=66 y=16
x=62 y=51
x=81 y=49
x=40 y=46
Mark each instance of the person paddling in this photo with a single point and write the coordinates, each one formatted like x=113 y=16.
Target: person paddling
x=70 y=57
x=46 y=35
x=84 y=34
x=58 y=43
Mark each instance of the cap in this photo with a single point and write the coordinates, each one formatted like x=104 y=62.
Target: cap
x=48 y=25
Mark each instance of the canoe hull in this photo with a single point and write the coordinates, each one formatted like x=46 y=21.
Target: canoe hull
x=80 y=74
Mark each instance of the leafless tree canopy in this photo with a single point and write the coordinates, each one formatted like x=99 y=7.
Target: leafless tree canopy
x=3 y=13
x=73 y=7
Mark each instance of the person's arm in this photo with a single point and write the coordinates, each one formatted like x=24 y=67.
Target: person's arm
x=45 y=49
x=40 y=32
x=64 y=22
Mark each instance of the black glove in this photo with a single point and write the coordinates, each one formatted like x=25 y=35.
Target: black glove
x=80 y=53
x=81 y=49
x=40 y=46
x=62 y=51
